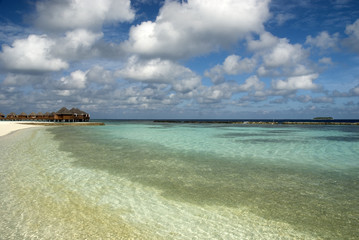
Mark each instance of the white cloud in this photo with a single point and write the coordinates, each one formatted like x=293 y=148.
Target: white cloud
x=76 y=80
x=76 y=44
x=283 y=17
x=73 y=14
x=354 y=91
x=323 y=40
x=216 y=74
x=80 y=38
x=187 y=84
x=326 y=60
x=284 y=54
x=252 y=83
x=232 y=65
x=160 y=71
x=353 y=29
x=353 y=32
x=31 y=55
x=196 y=27
x=97 y=74
x=278 y=57
x=304 y=82
x=217 y=93
x=41 y=53
x=266 y=41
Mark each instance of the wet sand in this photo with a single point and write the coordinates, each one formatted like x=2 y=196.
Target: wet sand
x=7 y=127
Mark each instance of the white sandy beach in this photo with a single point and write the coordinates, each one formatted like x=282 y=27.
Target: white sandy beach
x=7 y=127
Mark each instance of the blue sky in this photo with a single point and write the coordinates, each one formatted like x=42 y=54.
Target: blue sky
x=181 y=59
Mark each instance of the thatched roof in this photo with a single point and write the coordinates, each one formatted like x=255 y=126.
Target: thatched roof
x=32 y=114
x=2 y=115
x=64 y=111
x=23 y=114
x=12 y=114
x=40 y=114
x=78 y=111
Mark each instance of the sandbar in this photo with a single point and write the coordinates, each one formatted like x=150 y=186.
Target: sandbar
x=7 y=127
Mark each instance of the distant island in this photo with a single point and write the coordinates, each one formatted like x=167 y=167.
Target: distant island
x=323 y=118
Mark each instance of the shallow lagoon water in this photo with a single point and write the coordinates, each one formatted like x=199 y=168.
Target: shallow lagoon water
x=145 y=180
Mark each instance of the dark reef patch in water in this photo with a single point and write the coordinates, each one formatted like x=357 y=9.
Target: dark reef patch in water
x=268 y=140
x=239 y=135
x=341 y=138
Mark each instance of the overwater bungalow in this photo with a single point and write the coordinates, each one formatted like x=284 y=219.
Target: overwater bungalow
x=40 y=116
x=32 y=116
x=11 y=116
x=63 y=115
x=22 y=117
x=48 y=117
x=80 y=116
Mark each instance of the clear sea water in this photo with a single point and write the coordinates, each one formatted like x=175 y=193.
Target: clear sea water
x=145 y=180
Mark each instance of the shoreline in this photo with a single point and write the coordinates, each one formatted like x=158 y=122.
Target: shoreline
x=7 y=127
x=256 y=122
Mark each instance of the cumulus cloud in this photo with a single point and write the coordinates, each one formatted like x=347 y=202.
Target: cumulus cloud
x=41 y=53
x=32 y=54
x=354 y=91
x=323 y=40
x=278 y=57
x=97 y=74
x=66 y=15
x=76 y=44
x=266 y=41
x=232 y=65
x=284 y=54
x=160 y=71
x=76 y=80
x=196 y=27
x=352 y=31
x=252 y=83
x=304 y=82
x=217 y=93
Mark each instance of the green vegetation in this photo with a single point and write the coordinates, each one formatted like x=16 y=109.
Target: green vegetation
x=323 y=118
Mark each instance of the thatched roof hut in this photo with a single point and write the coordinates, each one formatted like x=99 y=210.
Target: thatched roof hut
x=32 y=115
x=47 y=116
x=39 y=116
x=73 y=115
x=64 y=115
x=11 y=116
x=22 y=116
x=80 y=115
x=64 y=111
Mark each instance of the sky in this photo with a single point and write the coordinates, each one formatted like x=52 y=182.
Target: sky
x=194 y=59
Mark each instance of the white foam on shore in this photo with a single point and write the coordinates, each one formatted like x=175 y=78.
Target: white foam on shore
x=7 y=127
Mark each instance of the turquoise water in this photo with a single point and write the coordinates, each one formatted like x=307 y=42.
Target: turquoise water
x=144 y=180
